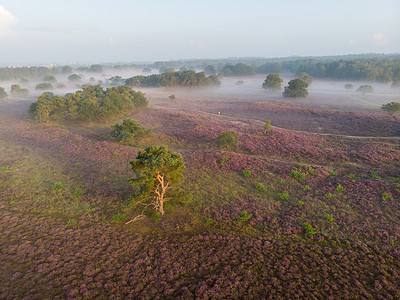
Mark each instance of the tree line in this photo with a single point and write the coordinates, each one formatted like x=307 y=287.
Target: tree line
x=92 y=103
x=178 y=78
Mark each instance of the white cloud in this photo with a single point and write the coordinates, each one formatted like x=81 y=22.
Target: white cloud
x=6 y=20
x=380 y=38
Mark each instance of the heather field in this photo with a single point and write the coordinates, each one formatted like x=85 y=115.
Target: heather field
x=310 y=209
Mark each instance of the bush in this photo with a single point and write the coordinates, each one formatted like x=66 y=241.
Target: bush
x=391 y=108
x=261 y=188
x=267 y=126
x=284 y=196
x=44 y=86
x=297 y=88
x=247 y=173
x=227 y=140
x=172 y=97
x=243 y=217
x=308 y=228
x=128 y=132
x=365 y=89
x=348 y=86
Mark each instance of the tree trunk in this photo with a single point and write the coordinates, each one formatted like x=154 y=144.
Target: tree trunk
x=160 y=192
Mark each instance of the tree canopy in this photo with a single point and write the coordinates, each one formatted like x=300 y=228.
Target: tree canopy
x=391 y=108
x=227 y=140
x=306 y=77
x=365 y=89
x=297 y=88
x=179 y=78
x=237 y=70
x=17 y=91
x=159 y=170
x=273 y=82
x=92 y=103
x=128 y=132
x=3 y=93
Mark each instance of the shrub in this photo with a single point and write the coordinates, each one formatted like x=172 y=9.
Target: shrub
x=339 y=188
x=298 y=175
x=329 y=195
x=118 y=217
x=308 y=228
x=261 y=188
x=391 y=108
x=267 y=126
x=243 y=217
x=128 y=131
x=329 y=218
x=300 y=203
x=172 y=97
x=57 y=186
x=247 y=173
x=78 y=192
x=348 y=86
x=305 y=188
x=284 y=196
x=365 y=89
x=44 y=86
x=227 y=140
x=375 y=175
x=386 y=196
x=224 y=160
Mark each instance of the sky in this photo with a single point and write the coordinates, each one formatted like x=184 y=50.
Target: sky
x=99 y=31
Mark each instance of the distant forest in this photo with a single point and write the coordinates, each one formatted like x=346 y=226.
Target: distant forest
x=179 y=78
x=369 y=67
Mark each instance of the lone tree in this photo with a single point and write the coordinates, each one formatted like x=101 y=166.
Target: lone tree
x=272 y=82
x=159 y=170
x=129 y=131
x=267 y=126
x=297 y=88
x=365 y=89
x=348 y=86
x=391 y=108
x=227 y=140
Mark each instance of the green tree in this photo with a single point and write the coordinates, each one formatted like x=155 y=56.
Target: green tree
x=17 y=91
x=267 y=126
x=3 y=93
x=391 y=108
x=210 y=70
x=348 y=86
x=365 y=89
x=96 y=68
x=159 y=170
x=273 y=82
x=128 y=131
x=227 y=140
x=44 y=86
x=297 y=88
x=50 y=78
x=74 y=78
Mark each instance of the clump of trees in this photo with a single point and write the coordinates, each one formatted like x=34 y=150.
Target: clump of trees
x=159 y=172
x=297 y=88
x=128 y=132
x=16 y=90
x=306 y=77
x=272 y=82
x=44 y=86
x=391 y=108
x=74 y=78
x=227 y=140
x=50 y=78
x=269 y=67
x=3 y=93
x=92 y=103
x=348 y=86
x=365 y=89
x=180 y=78
x=239 y=69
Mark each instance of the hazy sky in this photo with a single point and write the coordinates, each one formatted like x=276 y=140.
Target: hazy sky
x=97 y=31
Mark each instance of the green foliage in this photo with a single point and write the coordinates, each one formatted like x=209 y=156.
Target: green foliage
x=298 y=175
x=307 y=78
x=261 y=188
x=243 y=217
x=365 y=89
x=375 y=175
x=224 y=160
x=96 y=68
x=70 y=222
x=391 y=108
x=284 y=196
x=297 y=88
x=4 y=169
x=351 y=176
x=50 y=78
x=348 y=86
x=118 y=217
x=386 y=196
x=12 y=202
x=210 y=221
x=210 y=70
x=78 y=192
x=305 y=188
x=329 y=195
x=17 y=91
x=44 y=86
x=172 y=97
x=128 y=132
x=239 y=69
x=180 y=78
x=300 y=203
x=159 y=170
x=227 y=140
x=308 y=228
x=247 y=173
x=339 y=188
x=329 y=218
x=272 y=82
x=267 y=126
x=269 y=67
x=332 y=172
x=57 y=186
x=92 y=103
